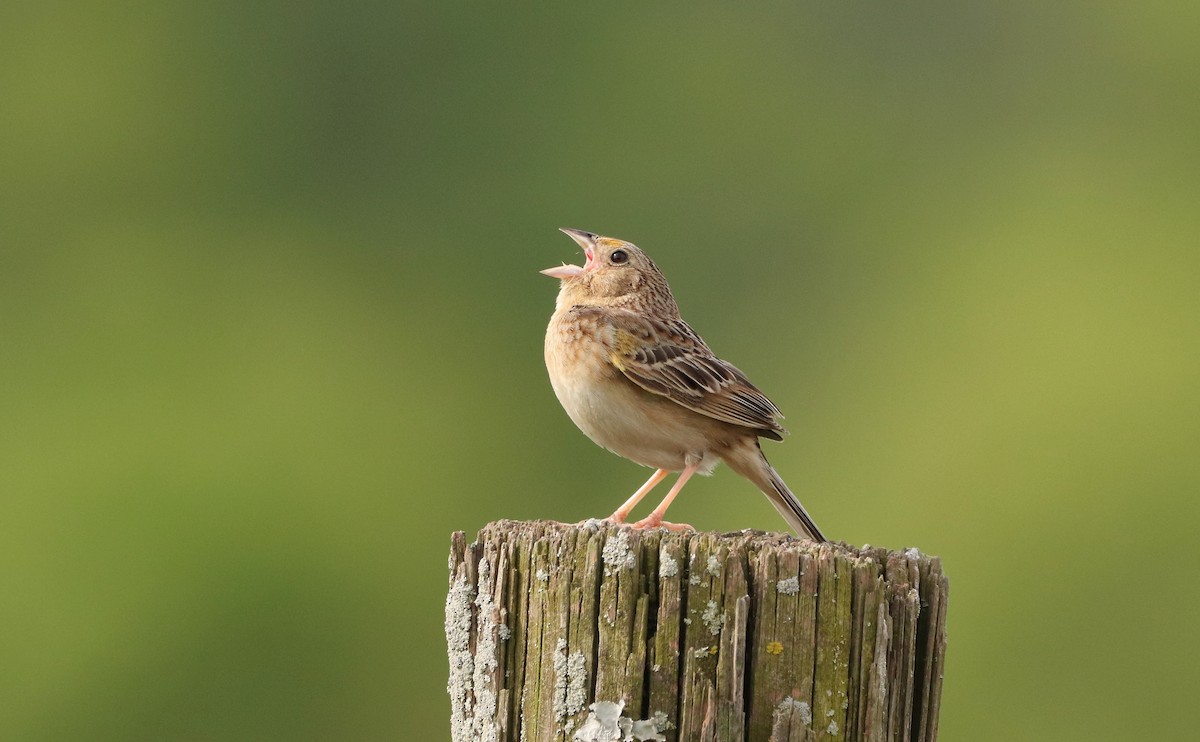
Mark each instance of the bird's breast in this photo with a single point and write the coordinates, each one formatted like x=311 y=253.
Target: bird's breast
x=613 y=411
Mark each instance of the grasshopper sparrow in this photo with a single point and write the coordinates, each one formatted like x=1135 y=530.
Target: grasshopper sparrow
x=638 y=381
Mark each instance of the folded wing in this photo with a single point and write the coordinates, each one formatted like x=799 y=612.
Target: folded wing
x=667 y=357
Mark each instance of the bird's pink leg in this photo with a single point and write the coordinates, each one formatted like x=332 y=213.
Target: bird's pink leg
x=623 y=511
x=655 y=519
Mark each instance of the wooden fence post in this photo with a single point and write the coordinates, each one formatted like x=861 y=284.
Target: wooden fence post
x=602 y=632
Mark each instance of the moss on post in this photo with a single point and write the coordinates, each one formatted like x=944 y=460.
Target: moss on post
x=601 y=632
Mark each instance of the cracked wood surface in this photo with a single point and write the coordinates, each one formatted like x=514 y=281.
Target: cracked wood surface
x=701 y=636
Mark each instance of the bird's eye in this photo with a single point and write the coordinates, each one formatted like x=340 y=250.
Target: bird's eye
x=618 y=257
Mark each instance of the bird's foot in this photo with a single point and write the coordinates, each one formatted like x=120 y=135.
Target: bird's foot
x=653 y=521
x=650 y=521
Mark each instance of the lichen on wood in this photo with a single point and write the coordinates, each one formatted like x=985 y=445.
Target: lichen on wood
x=558 y=632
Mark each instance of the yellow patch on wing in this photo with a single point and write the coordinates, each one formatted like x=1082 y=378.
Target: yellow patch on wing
x=624 y=344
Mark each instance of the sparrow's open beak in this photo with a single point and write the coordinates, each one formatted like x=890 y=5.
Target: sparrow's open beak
x=587 y=241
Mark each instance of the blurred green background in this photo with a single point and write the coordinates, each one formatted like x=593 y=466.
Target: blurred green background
x=271 y=328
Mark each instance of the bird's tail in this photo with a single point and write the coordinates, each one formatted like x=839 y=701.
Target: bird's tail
x=750 y=462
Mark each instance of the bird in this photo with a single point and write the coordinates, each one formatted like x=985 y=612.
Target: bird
x=639 y=381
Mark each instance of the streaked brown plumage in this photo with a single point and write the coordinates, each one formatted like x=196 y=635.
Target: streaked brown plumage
x=640 y=382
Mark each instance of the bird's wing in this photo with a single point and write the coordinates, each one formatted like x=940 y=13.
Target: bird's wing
x=667 y=357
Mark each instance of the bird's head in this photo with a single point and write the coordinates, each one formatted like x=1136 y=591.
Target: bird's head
x=615 y=273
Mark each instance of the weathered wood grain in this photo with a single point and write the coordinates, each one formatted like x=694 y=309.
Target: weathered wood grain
x=600 y=632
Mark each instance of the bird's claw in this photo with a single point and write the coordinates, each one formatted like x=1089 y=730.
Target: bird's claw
x=652 y=522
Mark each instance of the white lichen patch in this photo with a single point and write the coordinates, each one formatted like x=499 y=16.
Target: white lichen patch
x=645 y=730
x=788 y=586
x=713 y=619
x=660 y=720
x=668 y=567
x=789 y=706
x=560 y=680
x=541 y=575
x=602 y=723
x=694 y=580
x=607 y=723
x=617 y=554
x=570 y=681
x=504 y=631
x=462 y=664
x=577 y=691
x=524 y=726
x=913 y=553
x=832 y=728
x=714 y=565
x=702 y=652
x=483 y=681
